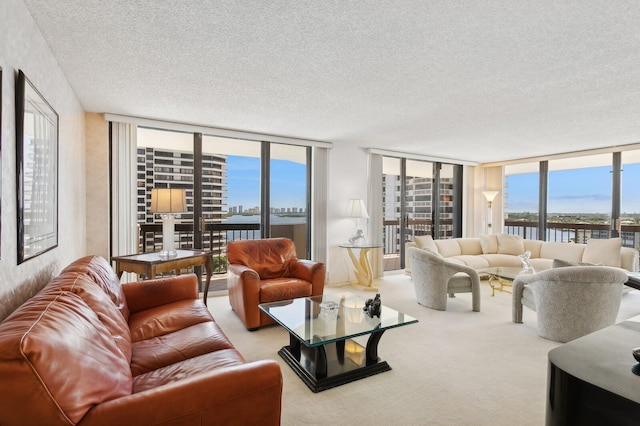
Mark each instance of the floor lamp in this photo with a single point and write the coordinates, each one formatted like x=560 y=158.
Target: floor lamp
x=167 y=202
x=490 y=196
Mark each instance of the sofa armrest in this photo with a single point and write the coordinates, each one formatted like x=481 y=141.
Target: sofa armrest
x=142 y=295
x=311 y=271
x=244 y=394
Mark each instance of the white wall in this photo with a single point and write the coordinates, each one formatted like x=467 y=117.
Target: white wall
x=348 y=169
x=22 y=47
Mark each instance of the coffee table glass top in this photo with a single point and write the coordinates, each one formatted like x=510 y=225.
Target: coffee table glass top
x=508 y=273
x=313 y=321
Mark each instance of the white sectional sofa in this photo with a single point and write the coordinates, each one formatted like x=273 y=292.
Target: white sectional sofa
x=503 y=250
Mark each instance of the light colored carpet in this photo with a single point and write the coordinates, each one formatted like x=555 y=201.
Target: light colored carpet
x=455 y=367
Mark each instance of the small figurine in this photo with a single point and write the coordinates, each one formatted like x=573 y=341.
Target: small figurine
x=357 y=239
x=373 y=306
x=526 y=265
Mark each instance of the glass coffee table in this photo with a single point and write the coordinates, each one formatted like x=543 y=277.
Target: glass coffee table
x=321 y=329
x=501 y=277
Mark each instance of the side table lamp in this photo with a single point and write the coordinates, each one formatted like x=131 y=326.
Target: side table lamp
x=167 y=202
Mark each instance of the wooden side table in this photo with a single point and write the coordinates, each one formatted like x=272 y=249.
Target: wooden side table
x=150 y=264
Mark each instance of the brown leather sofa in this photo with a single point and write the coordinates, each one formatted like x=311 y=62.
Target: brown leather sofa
x=268 y=270
x=87 y=350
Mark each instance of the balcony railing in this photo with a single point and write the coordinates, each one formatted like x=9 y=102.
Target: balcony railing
x=215 y=237
x=573 y=232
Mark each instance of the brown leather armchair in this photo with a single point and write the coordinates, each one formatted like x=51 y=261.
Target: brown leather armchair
x=268 y=270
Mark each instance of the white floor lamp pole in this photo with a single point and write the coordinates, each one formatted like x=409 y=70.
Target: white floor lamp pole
x=490 y=196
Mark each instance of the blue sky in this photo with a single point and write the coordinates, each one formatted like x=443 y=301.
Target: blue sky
x=575 y=191
x=288 y=182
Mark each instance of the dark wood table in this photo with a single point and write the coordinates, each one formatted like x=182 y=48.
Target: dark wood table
x=633 y=280
x=150 y=264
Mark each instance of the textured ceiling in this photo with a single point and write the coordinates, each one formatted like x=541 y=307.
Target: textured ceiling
x=470 y=80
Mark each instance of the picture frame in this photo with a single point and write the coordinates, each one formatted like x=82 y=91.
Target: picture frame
x=37 y=126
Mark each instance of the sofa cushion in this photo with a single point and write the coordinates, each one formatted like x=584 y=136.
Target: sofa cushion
x=470 y=246
x=192 y=367
x=564 y=251
x=605 y=251
x=506 y=260
x=510 y=244
x=448 y=247
x=165 y=319
x=158 y=352
x=55 y=350
x=425 y=241
x=533 y=246
x=475 y=262
x=100 y=272
x=283 y=289
x=489 y=244
x=99 y=302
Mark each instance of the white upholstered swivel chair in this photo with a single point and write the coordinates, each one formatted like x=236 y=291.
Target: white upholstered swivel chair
x=435 y=277
x=570 y=302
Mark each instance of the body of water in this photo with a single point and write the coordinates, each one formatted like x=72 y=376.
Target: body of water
x=254 y=235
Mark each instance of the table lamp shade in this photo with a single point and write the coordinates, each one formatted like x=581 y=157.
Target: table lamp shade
x=357 y=209
x=168 y=200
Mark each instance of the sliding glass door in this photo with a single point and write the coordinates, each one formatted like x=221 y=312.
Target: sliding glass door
x=419 y=198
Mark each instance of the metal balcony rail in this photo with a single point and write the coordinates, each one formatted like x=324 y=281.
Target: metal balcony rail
x=215 y=237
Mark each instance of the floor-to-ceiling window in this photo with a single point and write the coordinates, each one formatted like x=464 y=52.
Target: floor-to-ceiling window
x=579 y=198
x=629 y=224
x=228 y=183
x=289 y=194
x=419 y=198
x=521 y=203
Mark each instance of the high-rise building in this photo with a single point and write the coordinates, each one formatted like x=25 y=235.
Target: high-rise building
x=162 y=168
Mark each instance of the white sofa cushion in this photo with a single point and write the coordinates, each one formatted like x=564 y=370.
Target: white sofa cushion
x=510 y=244
x=475 y=262
x=489 y=244
x=605 y=251
x=470 y=246
x=449 y=247
x=533 y=246
x=425 y=241
x=506 y=260
x=565 y=251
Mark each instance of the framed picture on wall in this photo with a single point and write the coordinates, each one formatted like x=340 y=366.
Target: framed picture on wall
x=37 y=171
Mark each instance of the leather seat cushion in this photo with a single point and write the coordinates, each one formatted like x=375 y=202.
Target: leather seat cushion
x=283 y=289
x=165 y=319
x=160 y=351
x=192 y=367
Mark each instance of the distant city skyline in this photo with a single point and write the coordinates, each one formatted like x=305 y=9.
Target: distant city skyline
x=288 y=183
x=575 y=191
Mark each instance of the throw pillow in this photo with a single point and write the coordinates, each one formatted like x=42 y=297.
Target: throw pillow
x=510 y=244
x=425 y=241
x=559 y=263
x=606 y=252
x=489 y=244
